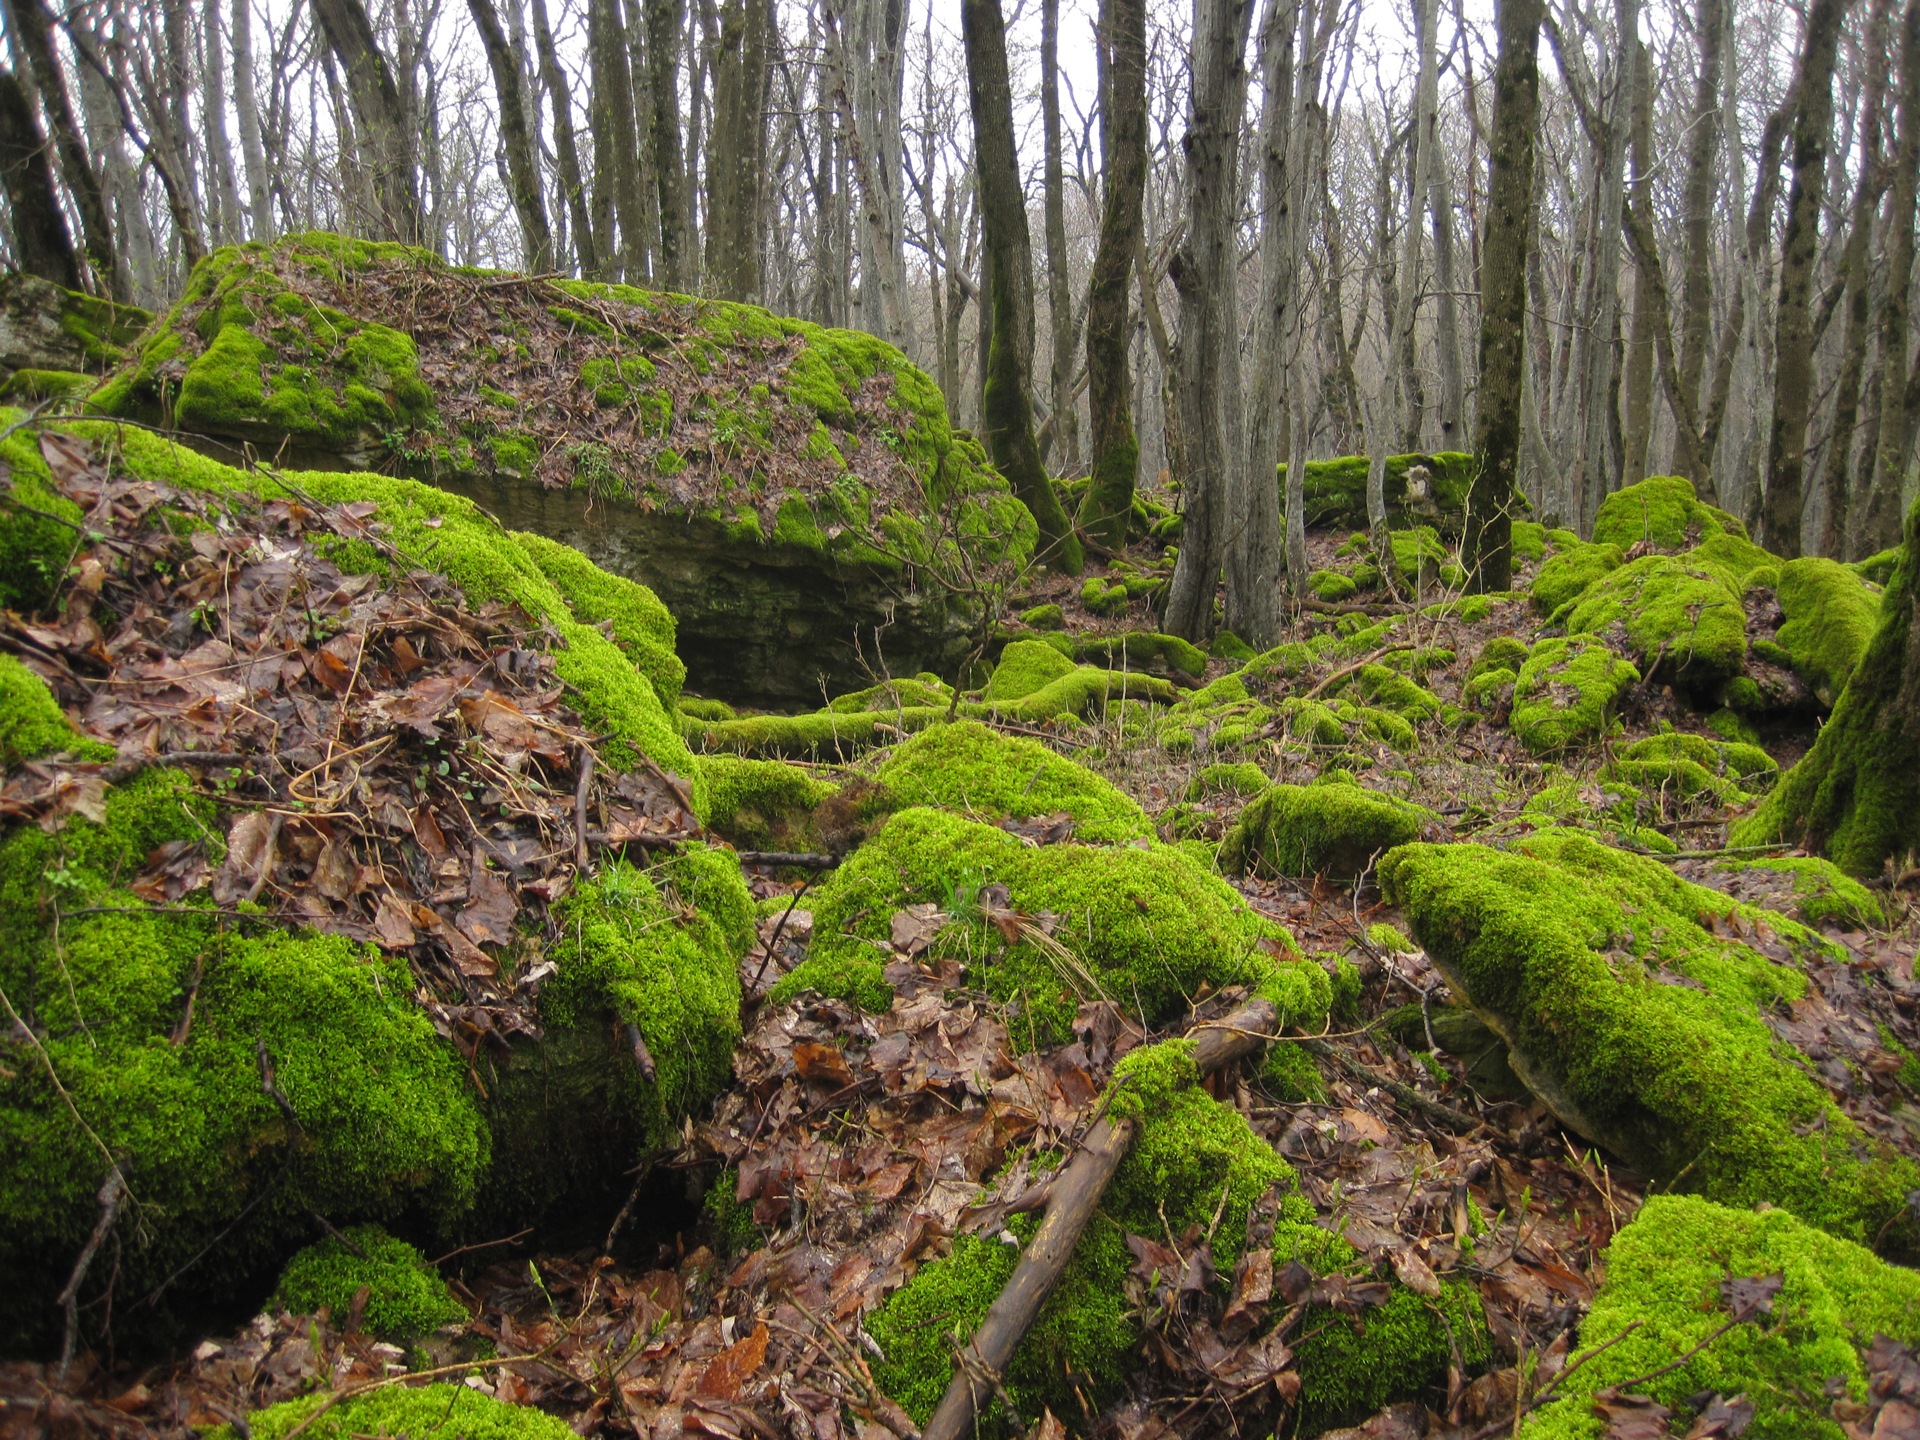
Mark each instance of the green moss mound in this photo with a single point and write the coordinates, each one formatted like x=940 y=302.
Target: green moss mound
x=1831 y=616
x=969 y=768
x=1566 y=573
x=1570 y=950
x=761 y=804
x=1044 y=617
x=632 y=614
x=1663 y=511
x=1738 y=761
x=1335 y=829
x=405 y=1295
x=1025 y=667
x=1138 y=649
x=1823 y=893
x=1565 y=693
x=1335 y=491
x=1682 y=622
x=1664 y=1273
x=1609 y=805
x=32 y=723
x=1143 y=927
x=415 y=1411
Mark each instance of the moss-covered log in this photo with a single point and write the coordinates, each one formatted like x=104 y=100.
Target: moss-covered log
x=1855 y=797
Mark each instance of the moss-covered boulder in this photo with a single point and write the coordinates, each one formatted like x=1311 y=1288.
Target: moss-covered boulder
x=1565 y=693
x=1419 y=489
x=1145 y=928
x=1661 y=511
x=1682 y=622
x=1831 y=614
x=1642 y=1028
x=1333 y=828
x=1566 y=573
x=970 y=769
x=405 y=1295
x=1664 y=1301
x=762 y=804
x=46 y=328
x=781 y=486
x=415 y=1410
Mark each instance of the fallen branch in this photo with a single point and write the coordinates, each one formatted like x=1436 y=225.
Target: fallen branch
x=1360 y=664
x=1073 y=1196
x=1405 y=1094
x=111 y=1191
x=795 y=859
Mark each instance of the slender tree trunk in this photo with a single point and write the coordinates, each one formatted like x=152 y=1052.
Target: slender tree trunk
x=223 y=194
x=378 y=114
x=737 y=150
x=42 y=244
x=1488 y=551
x=253 y=154
x=1640 y=344
x=870 y=82
x=32 y=27
x=614 y=107
x=1268 y=431
x=1690 y=457
x=1837 y=476
x=523 y=173
x=1793 y=377
x=1880 y=525
x=1116 y=449
x=1209 y=356
x=1065 y=428
x=1007 y=409
x=664 y=21
x=1453 y=388
x=566 y=149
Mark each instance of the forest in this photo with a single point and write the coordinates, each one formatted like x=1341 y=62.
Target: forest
x=836 y=719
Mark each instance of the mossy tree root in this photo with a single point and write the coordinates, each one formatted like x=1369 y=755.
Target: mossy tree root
x=1071 y=1202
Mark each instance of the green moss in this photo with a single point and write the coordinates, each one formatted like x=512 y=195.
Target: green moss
x=1025 y=666
x=1681 y=621
x=1664 y=1273
x=1503 y=652
x=1831 y=615
x=60 y=388
x=1243 y=779
x=1335 y=491
x=1737 y=761
x=1822 y=892
x=1489 y=690
x=734 y=1229
x=1610 y=806
x=1229 y=646
x=40 y=534
x=1735 y=554
x=632 y=614
x=1391 y=938
x=32 y=723
x=1566 y=573
x=1044 y=617
x=1730 y=726
x=1529 y=540
x=405 y=1295
x=427 y=1412
x=1566 y=691
x=822 y=734
x=1675 y=775
x=1104 y=597
x=1144 y=927
x=920 y=691
x=1877 y=568
x=514 y=455
x=761 y=804
x=1332 y=586
x=969 y=768
x=1662 y=510
x=1139 y=648
x=1571 y=949
x=1334 y=828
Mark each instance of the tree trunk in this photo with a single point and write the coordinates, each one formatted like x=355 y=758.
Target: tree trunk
x=1837 y=476
x=1116 y=450
x=565 y=149
x=1006 y=406
x=378 y=114
x=32 y=27
x=223 y=194
x=1793 y=377
x=1453 y=388
x=1488 y=551
x=1690 y=457
x=664 y=20
x=522 y=172
x=1640 y=345
x=737 y=150
x=42 y=244
x=1204 y=272
x=1855 y=797
x=1890 y=448
x=253 y=154
x=869 y=91
x=1065 y=424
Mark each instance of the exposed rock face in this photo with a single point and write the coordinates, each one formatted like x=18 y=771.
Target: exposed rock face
x=45 y=327
x=794 y=494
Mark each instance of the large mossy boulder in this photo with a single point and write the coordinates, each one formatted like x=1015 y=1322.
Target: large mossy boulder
x=49 y=330
x=1677 y=621
x=1661 y=512
x=1419 y=489
x=782 y=487
x=1332 y=828
x=1631 y=1013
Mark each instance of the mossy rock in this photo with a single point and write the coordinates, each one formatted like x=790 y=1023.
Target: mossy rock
x=1571 y=950
x=1823 y=893
x=1502 y=652
x=56 y=390
x=1025 y=666
x=762 y=804
x=1104 y=596
x=1831 y=616
x=1608 y=805
x=437 y=1410
x=1878 y=569
x=1662 y=1301
x=1566 y=691
x=32 y=723
x=1142 y=650
x=1683 y=622
x=1566 y=574
x=1331 y=828
x=1144 y=927
x=1663 y=511
x=48 y=328
x=821 y=735
x=973 y=770
x=1044 y=617
x=1335 y=491
x=405 y=1295
x=1332 y=586
x=1243 y=779
x=1744 y=764
x=917 y=691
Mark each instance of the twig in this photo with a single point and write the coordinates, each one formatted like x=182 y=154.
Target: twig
x=642 y=1056
x=753 y=988
x=327 y=1225
x=793 y=859
x=1488 y=1432
x=580 y=808
x=483 y=1245
x=1405 y=1094
x=1360 y=664
x=111 y=1191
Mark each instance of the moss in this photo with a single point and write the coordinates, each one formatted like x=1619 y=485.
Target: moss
x=1878 y=569
x=761 y=804
x=1489 y=690
x=1044 y=617
x=1083 y=691
x=427 y=1412
x=1566 y=573
x=734 y=1229
x=1025 y=667
x=1144 y=927
x=1104 y=597
x=1738 y=761
x=1735 y=554
x=971 y=769
x=1681 y=621
x=1387 y=688
x=1608 y=805
x=32 y=723
x=1503 y=652
x=1664 y=1274
x=1229 y=646
x=1243 y=779
x=1831 y=615
x=1566 y=691
x=1139 y=648
x=1529 y=540
x=824 y=733
x=1662 y=510
x=59 y=388
x=514 y=455
x=39 y=535
x=1571 y=951
x=1822 y=892
x=1332 y=586
x=916 y=692
x=1391 y=938
x=1731 y=726
x=697 y=707
x=405 y=1295
x=1335 y=491
x=634 y=617
x=1675 y=775
x=1333 y=828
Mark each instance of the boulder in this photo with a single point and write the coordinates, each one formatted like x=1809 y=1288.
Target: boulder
x=46 y=328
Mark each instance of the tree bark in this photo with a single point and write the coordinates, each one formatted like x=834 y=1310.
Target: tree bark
x=566 y=150
x=32 y=27
x=1879 y=523
x=42 y=244
x=515 y=137
x=1690 y=457
x=870 y=81
x=1116 y=450
x=378 y=114
x=223 y=193
x=1065 y=423
x=1006 y=406
x=1488 y=551
x=664 y=21
x=1453 y=388
x=253 y=155
x=1640 y=345
x=1793 y=377
x=737 y=150
x=1204 y=272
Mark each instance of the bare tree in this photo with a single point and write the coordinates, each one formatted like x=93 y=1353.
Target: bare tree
x=516 y=137
x=1880 y=526
x=379 y=115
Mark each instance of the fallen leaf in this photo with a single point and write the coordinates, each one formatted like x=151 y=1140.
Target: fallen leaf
x=1751 y=1298
x=1631 y=1417
x=823 y=1064
x=250 y=843
x=734 y=1366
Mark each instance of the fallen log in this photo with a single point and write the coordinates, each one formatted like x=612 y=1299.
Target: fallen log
x=1072 y=1197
